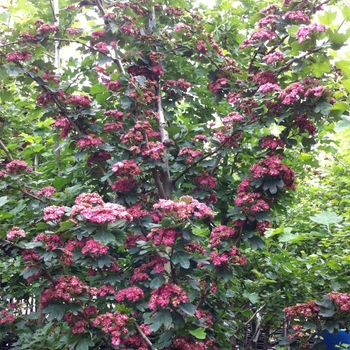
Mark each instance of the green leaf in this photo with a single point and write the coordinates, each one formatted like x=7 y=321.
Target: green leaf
x=199 y=333
x=343 y=124
x=181 y=258
x=253 y=297
x=84 y=344
x=29 y=272
x=104 y=236
x=54 y=311
x=326 y=218
x=340 y=106
x=3 y=200
x=95 y=89
x=344 y=66
x=188 y=308
x=157 y=282
x=327 y=18
x=159 y=319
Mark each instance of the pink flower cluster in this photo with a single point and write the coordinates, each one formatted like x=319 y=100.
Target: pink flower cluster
x=248 y=200
x=297 y=16
x=132 y=239
x=304 y=124
x=49 y=76
x=47 y=28
x=185 y=208
x=45 y=98
x=264 y=78
x=274 y=57
x=168 y=293
x=273 y=167
x=102 y=47
x=47 y=191
x=156 y=264
x=269 y=20
x=271 y=142
x=92 y=208
x=341 y=300
x=80 y=100
x=194 y=247
x=268 y=87
x=52 y=241
x=17 y=167
x=316 y=91
x=205 y=318
x=114 y=85
x=206 y=180
x=306 y=310
x=233 y=256
x=7 y=317
x=17 y=56
x=113 y=324
x=191 y=154
x=15 y=232
x=115 y=114
x=132 y=294
x=126 y=168
x=141 y=131
x=217 y=85
x=93 y=247
x=261 y=35
x=292 y=93
x=112 y=126
x=64 y=123
x=163 y=236
x=65 y=288
x=53 y=212
x=123 y=185
x=90 y=140
x=220 y=233
x=188 y=343
x=233 y=117
x=305 y=31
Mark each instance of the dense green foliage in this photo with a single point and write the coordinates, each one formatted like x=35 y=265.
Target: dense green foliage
x=149 y=156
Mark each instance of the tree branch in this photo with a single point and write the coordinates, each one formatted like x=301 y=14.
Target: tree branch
x=199 y=160
x=143 y=335
x=5 y=149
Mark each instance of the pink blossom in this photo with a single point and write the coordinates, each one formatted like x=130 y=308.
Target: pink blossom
x=73 y=31
x=191 y=154
x=102 y=47
x=93 y=247
x=164 y=236
x=220 y=233
x=126 y=167
x=15 y=232
x=305 y=31
x=53 y=212
x=132 y=294
x=90 y=140
x=47 y=191
x=17 y=166
x=297 y=16
x=168 y=293
x=184 y=208
x=268 y=87
x=274 y=57
x=206 y=180
x=292 y=93
x=112 y=126
x=80 y=100
x=7 y=317
x=17 y=56
x=114 y=85
x=233 y=117
x=98 y=34
x=47 y=28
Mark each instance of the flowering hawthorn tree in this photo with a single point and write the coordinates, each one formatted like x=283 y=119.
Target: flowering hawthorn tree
x=170 y=147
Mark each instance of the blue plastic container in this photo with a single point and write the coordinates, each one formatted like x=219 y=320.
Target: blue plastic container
x=331 y=340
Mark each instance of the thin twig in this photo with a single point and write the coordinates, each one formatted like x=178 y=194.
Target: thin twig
x=27 y=193
x=199 y=160
x=5 y=149
x=143 y=335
